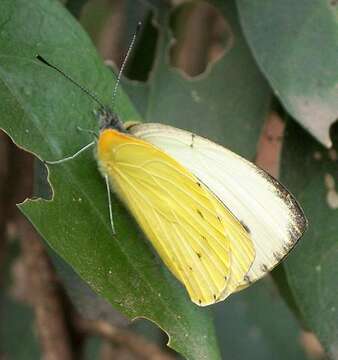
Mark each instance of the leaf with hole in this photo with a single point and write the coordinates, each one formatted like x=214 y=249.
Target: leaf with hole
x=295 y=44
x=41 y=111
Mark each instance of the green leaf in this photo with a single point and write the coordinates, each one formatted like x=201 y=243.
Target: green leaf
x=295 y=44
x=257 y=324
x=92 y=348
x=227 y=103
x=40 y=111
x=310 y=171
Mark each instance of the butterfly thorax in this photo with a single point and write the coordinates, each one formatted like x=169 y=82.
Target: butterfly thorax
x=109 y=120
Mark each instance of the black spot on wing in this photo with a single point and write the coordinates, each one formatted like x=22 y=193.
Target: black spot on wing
x=200 y=213
x=246 y=227
x=264 y=268
x=286 y=248
x=277 y=256
x=247 y=279
x=198 y=254
x=192 y=140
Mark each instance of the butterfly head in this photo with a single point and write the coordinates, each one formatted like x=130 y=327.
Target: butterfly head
x=108 y=119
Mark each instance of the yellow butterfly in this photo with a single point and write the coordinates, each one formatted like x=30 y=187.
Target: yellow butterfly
x=217 y=221
x=197 y=237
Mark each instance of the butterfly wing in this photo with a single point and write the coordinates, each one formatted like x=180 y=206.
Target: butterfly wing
x=267 y=210
x=198 y=239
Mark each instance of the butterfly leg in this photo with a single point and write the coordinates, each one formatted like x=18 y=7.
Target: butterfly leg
x=109 y=205
x=70 y=157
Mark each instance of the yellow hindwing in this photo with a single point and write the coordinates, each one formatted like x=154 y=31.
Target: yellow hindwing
x=196 y=236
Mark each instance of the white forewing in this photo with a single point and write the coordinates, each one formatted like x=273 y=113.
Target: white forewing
x=266 y=209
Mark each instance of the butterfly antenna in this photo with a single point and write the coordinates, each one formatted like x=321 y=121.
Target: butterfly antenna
x=138 y=28
x=85 y=90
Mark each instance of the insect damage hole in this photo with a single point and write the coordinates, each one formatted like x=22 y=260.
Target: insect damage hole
x=201 y=37
x=142 y=62
x=115 y=30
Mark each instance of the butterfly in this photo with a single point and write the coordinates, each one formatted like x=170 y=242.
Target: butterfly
x=218 y=222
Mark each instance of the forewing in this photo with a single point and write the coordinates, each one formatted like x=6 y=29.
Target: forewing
x=189 y=228
x=266 y=209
